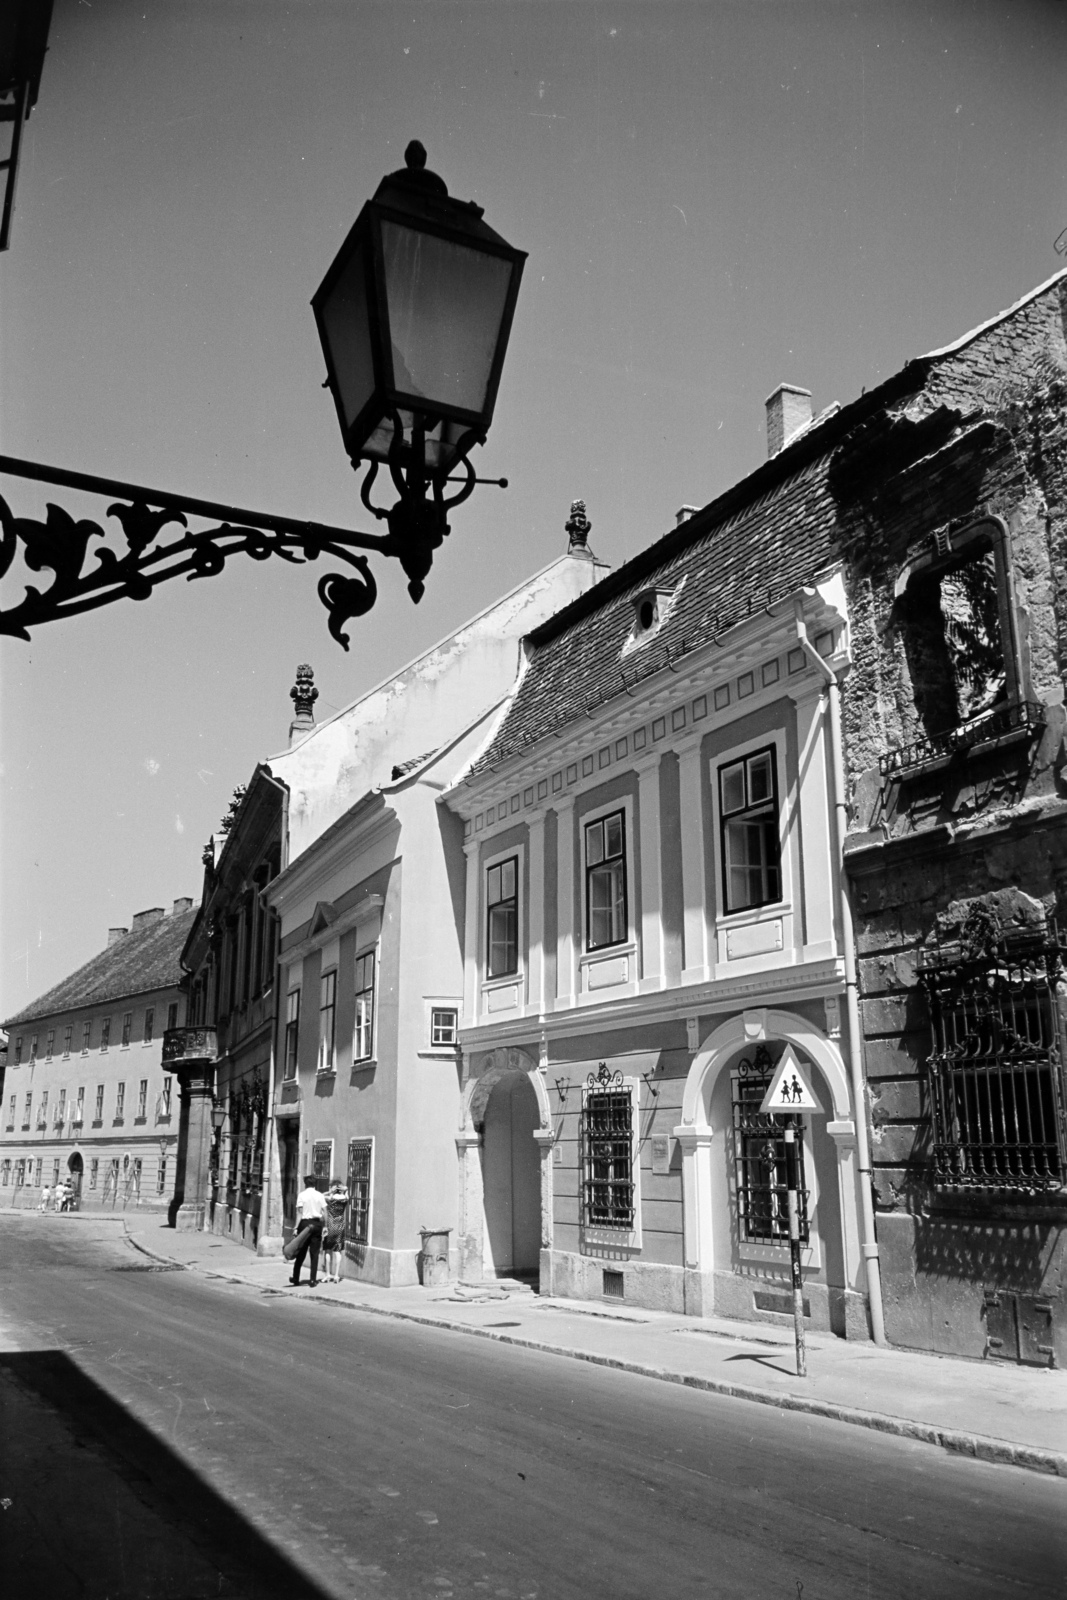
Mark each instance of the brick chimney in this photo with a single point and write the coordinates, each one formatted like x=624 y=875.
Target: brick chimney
x=303 y=694
x=115 y=934
x=788 y=412
x=145 y=919
x=184 y=904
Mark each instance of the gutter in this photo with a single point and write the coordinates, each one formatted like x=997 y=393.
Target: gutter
x=869 y=1241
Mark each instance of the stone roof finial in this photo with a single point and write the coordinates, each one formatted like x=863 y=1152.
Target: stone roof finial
x=303 y=694
x=578 y=526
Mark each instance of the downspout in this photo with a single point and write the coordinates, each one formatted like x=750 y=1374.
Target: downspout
x=869 y=1242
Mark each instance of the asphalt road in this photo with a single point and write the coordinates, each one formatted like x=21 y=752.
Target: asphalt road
x=168 y=1437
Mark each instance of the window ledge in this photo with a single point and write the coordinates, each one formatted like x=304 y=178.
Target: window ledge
x=164 y=1118
x=442 y=1053
x=326 y=1072
x=139 y=1122
x=364 y=1063
x=1008 y=725
x=118 y=1122
x=502 y=980
x=98 y=1122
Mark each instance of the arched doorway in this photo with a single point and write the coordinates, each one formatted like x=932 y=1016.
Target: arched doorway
x=511 y=1178
x=76 y=1170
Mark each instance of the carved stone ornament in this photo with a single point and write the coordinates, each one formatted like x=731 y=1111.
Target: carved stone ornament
x=578 y=526
x=303 y=694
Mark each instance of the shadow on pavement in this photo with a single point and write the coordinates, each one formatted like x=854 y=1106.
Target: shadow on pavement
x=93 y=1504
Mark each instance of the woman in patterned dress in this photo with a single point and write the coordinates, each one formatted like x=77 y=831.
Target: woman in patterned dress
x=333 y=1234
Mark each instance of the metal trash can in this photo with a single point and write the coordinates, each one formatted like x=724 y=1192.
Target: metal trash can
x=433 y=1257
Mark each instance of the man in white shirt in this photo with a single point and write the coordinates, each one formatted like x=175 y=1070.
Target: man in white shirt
x=310 y=1208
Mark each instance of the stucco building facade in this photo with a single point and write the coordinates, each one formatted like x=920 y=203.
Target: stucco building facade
x=370 y=917
x=86 y=1095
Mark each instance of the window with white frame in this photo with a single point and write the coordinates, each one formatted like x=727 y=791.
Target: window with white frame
x=27 y=1108
x=327 y=1019
x=749 y=830
x=606 y=916
x=142 y=1099
x=120 y=1101
x=61 y=1109
x=444 y=1027
x=79 y=1109
x=502 y=918
x=292 y=1032
x=42 y=1111
x=164 y=1099
x=12 y=1105
x=99 y=1112
x=94 y=1169
x=363 y=1031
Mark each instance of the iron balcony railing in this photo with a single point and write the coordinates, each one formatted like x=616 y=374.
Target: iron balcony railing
x=998 y=1099
x=1006 y=721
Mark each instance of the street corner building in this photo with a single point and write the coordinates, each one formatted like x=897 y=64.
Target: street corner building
x=824 y=711
x=87 y=1096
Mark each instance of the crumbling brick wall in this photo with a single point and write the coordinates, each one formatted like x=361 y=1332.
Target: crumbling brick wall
x=983 y=433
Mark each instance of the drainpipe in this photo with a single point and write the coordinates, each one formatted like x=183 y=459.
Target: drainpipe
x=869 y=1243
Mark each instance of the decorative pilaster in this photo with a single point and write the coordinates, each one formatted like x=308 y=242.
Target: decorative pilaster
x=691 y=802
x=535 y=964
x=566 y=940
x=820 y=869
x=469 y=1240
x=470 y=939
x=652 y=973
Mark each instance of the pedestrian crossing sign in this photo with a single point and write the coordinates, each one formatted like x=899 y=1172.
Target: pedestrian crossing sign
x=790 y=1089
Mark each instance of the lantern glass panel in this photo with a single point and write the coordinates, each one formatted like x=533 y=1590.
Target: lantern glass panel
x=446 y=303
x=347 y=323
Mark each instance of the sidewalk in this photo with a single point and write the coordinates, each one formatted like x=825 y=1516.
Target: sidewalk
x=1013 y=1415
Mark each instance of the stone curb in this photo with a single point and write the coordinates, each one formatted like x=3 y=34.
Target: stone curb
x=976 y=1445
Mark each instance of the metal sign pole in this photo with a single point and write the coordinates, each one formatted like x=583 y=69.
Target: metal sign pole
x=794 y=1249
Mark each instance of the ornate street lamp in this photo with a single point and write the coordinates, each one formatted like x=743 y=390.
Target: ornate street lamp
x=414 y=317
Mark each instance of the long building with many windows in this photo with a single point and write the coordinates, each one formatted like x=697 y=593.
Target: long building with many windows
x=86 y=1098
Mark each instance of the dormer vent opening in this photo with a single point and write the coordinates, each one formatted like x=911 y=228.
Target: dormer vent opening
x=652 y=607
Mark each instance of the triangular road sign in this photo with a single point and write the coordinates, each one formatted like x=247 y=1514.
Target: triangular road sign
x=790 y=1088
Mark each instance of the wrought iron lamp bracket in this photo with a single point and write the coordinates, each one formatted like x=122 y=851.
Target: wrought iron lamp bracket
x=60 y=543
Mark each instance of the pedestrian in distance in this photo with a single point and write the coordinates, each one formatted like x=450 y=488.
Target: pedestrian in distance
x=333 y=1236
x=46 y=1195
x=310 y=1216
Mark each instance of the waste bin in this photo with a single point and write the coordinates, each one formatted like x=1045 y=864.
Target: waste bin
x=433 y=1257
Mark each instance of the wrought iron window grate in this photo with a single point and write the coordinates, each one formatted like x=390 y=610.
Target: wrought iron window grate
x=1014 y=718
x=996 y=1071
x=607 y=1138
x=760 y=1159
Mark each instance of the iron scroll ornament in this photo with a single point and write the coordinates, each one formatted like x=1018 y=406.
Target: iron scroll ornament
x=63 y=545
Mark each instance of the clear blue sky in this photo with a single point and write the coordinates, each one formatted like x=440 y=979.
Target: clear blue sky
x=714 y=197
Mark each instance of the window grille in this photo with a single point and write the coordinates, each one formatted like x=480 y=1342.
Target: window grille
x=322 y=1160
x=607 y=1140
x=363 y=1032
x=359 y=1178
x=605 y=881
x=760 y=1157
x=996 y=1070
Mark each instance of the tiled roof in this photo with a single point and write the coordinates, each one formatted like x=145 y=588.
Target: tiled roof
x=141 y=960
